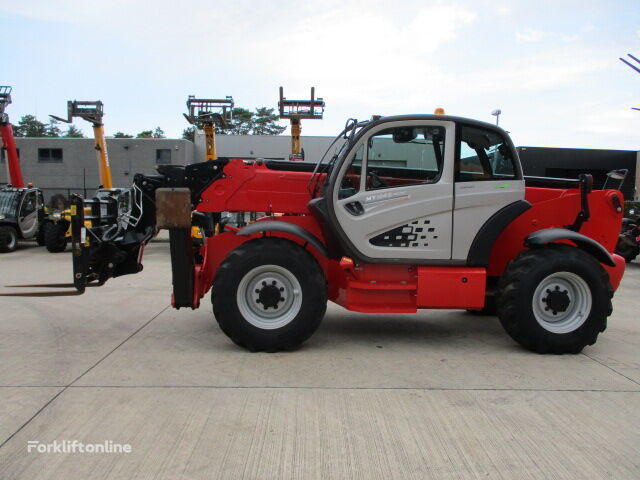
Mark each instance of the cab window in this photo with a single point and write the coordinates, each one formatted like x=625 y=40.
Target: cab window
x=483 y=155
x=28 y=204
x=351 y=180
x=401 y=156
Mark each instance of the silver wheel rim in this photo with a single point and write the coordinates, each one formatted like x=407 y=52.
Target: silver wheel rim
x=269 y=297
x=562 y=302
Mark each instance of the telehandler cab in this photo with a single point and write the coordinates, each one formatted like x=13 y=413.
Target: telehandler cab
x=411 y=212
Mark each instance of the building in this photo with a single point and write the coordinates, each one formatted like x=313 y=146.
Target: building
x=70 y=165
x=570 y=162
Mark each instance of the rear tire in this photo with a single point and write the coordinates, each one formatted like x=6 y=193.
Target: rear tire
x=554 y=299
x=54 y=237
x=8 y=239
x=269 y=295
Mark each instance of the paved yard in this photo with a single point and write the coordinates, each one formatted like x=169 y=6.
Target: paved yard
x=441 y=394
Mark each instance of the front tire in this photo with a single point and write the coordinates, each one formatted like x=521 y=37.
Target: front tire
x=554 y=299
x=269 y=295
x=8 y=239
x=55 y=237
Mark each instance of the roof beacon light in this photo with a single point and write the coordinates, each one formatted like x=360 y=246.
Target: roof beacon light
x=438 y=111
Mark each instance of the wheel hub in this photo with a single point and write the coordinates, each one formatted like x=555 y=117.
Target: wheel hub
x=270 y=295
x=557 y=300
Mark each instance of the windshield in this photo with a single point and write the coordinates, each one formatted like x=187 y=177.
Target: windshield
x=347 y=134
x=8 y=204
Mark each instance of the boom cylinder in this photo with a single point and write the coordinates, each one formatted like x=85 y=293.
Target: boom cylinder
x=13 y=163
x=296 y=130
x=103 y=157
x=210 y=141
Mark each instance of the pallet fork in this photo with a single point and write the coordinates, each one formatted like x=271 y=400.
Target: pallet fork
x=205 y=114
x=97 y=211
x=295 y=111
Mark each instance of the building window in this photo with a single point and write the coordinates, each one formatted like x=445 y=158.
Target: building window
x=163 y=156
x=3 y=154
x=50 y=155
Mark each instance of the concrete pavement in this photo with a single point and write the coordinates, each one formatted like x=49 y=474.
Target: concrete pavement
x=440 y=394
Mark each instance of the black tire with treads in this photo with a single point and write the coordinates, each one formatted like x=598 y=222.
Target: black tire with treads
x=517 y=286
x=269 y=251
x=54 y=236
x=8 y=238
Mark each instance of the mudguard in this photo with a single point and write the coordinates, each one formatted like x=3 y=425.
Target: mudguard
x=589 y=245
x=285 y=227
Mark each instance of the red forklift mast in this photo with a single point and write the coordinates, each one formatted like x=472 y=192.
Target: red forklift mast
x=8 y=142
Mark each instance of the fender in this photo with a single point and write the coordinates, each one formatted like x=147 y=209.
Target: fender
x=589 y=245
x=480 y=249
x=285 y=227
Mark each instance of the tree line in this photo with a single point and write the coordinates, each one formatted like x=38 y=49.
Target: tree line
x=262 y=121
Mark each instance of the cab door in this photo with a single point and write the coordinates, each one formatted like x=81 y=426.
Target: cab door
x=393 y=195
x=487 y=179
x=28 y=214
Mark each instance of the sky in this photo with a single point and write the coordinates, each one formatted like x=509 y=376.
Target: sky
x=552 y=67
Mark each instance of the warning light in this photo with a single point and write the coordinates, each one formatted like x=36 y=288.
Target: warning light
x=439 y=111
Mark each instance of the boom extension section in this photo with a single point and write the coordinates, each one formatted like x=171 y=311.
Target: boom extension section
x=8 y=142
x=92 y=112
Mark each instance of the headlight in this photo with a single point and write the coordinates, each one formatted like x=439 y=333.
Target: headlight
x=56 y=216
x=2 y=217
x=631 y=212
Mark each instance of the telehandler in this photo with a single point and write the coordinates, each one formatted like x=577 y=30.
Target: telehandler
x=22 y=210
x=411 y=212
x=57 y=229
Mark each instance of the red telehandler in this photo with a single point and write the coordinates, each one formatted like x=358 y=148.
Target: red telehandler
x=411 y=212
x=22 y=212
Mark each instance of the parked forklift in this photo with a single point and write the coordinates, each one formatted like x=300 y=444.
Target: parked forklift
x=22 y=210
x=295 y=111
x=412 y=212
x=57 y=230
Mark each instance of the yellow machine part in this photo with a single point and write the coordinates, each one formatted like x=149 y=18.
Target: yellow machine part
x=103 y=158
x=210 y=142
x=296 y=130
x=66 y=214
